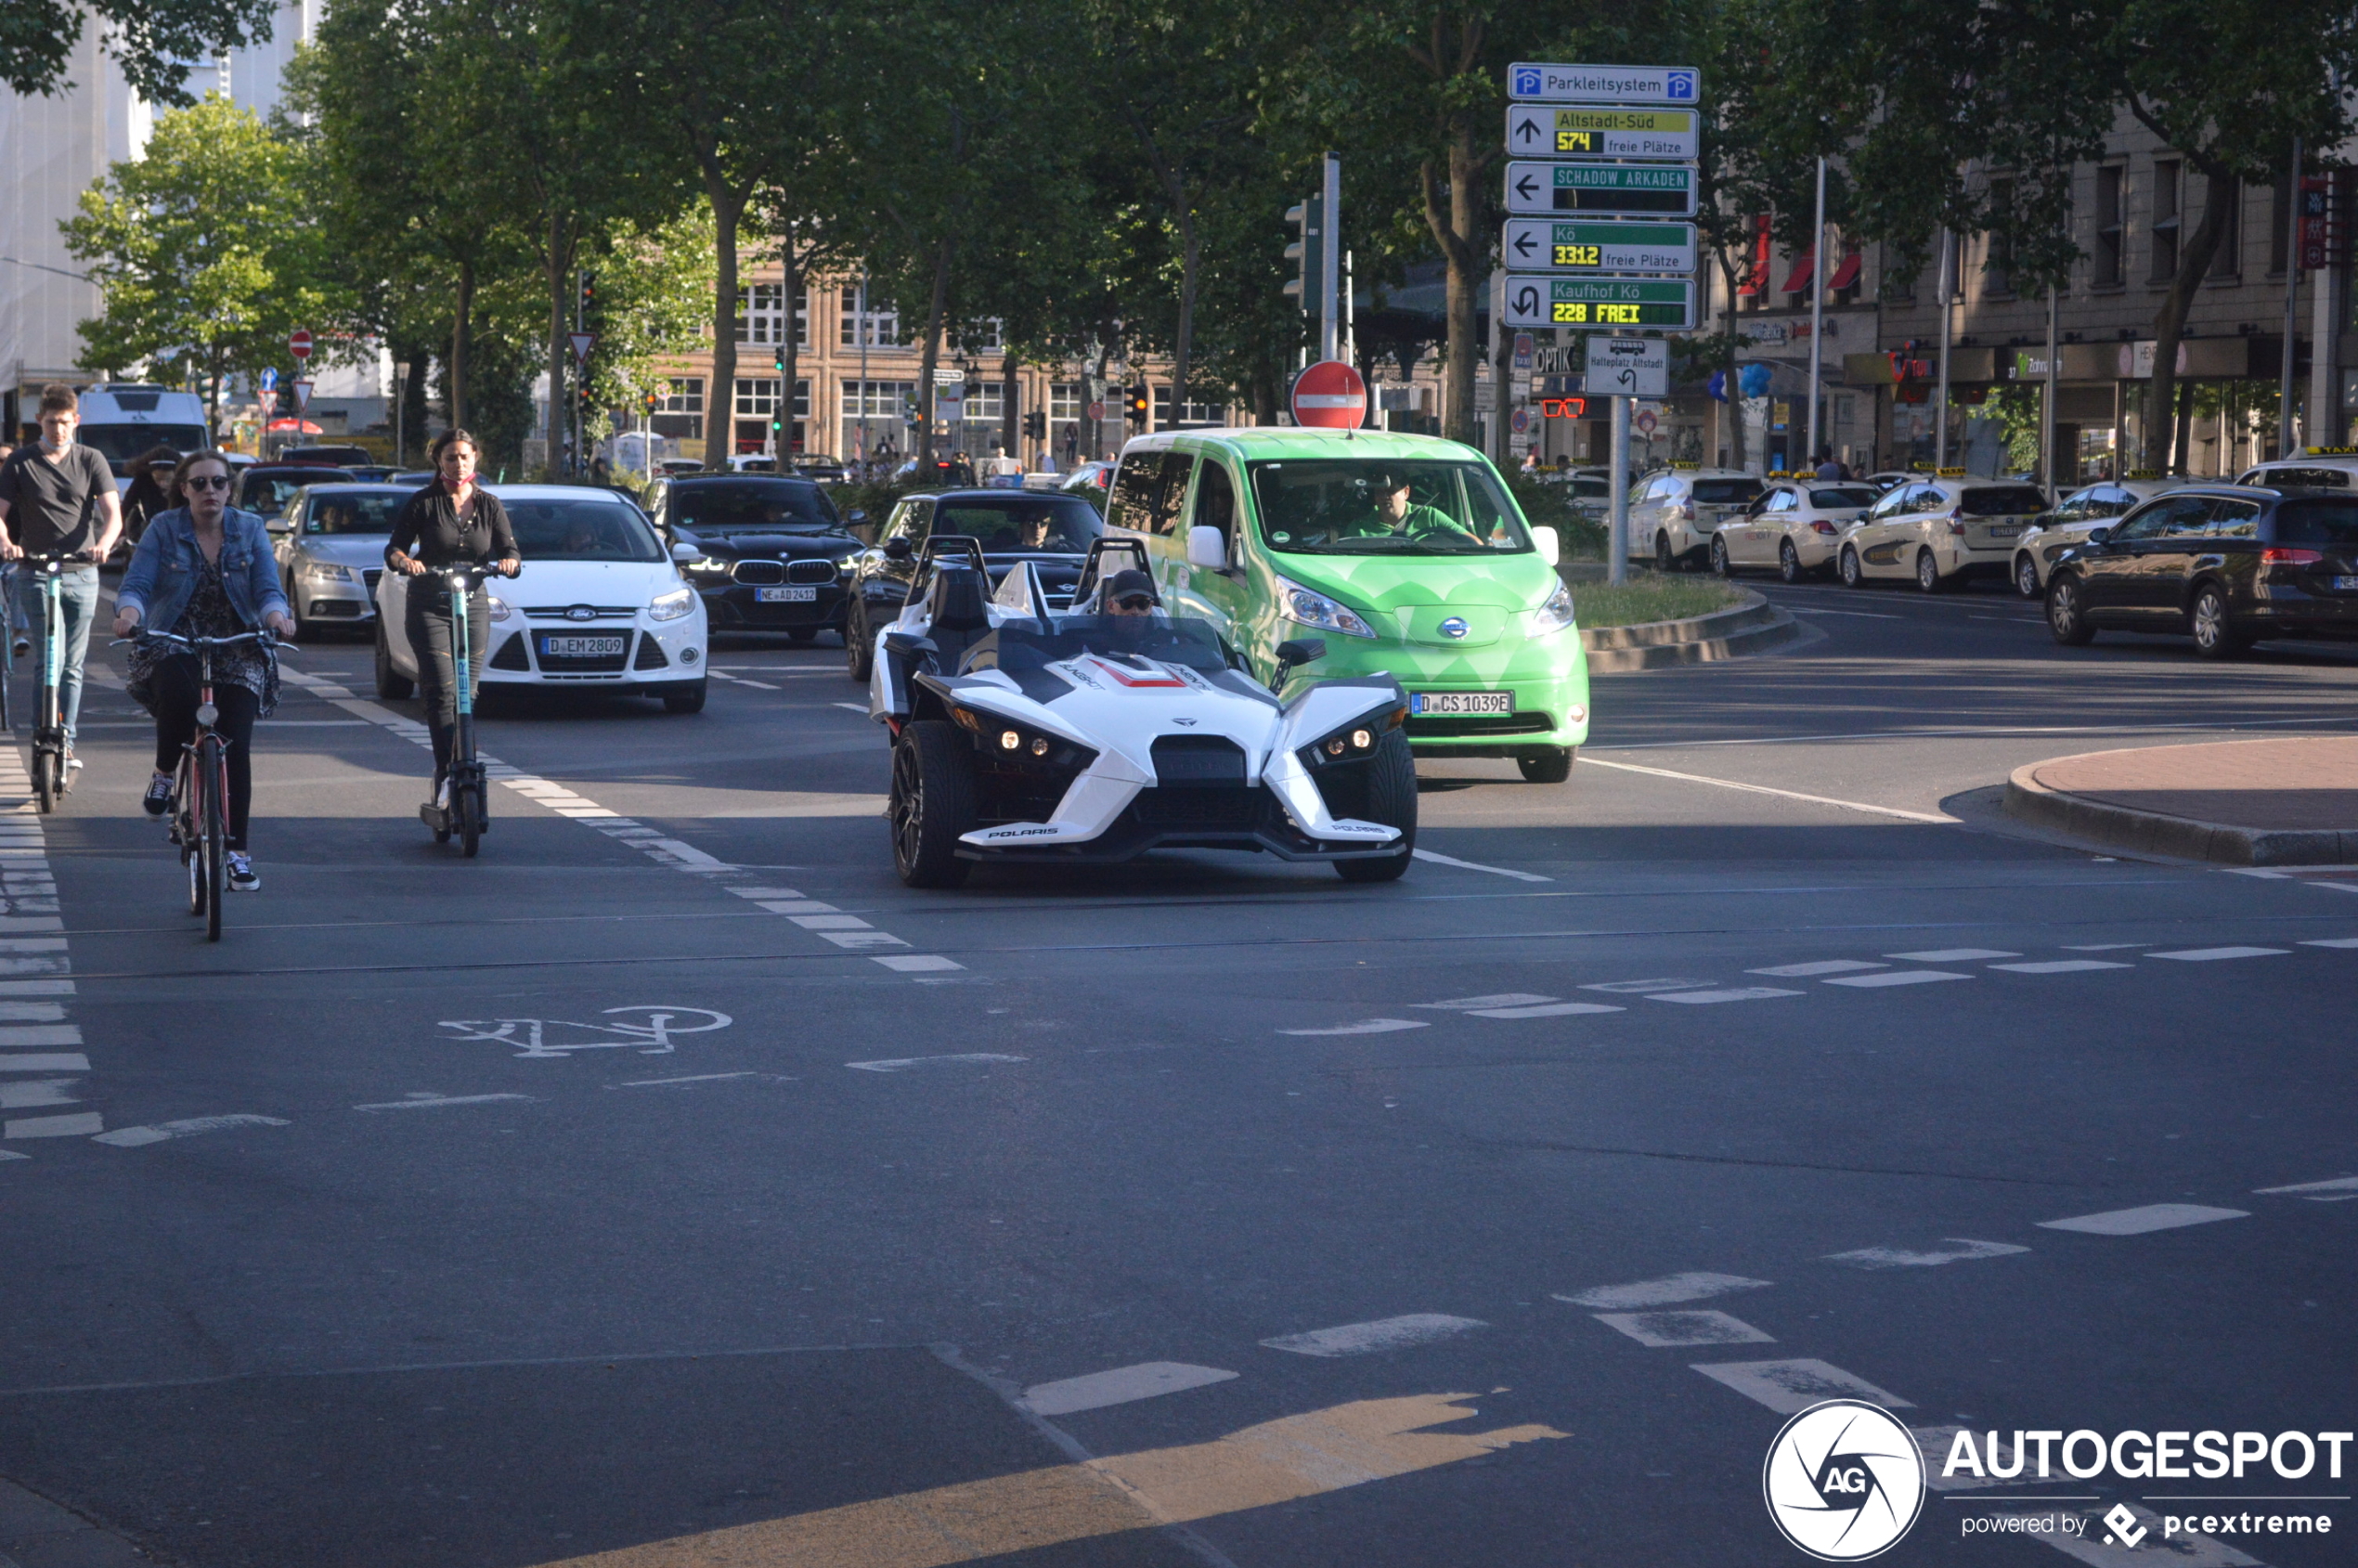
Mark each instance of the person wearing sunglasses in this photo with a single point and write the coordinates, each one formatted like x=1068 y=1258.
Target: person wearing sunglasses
x=1129 y=592
x=204 y=569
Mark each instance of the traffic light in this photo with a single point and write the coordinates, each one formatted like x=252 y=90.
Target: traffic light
x=588 y=295
x=1136 y=401
x=1035 y=426
x=649 y=401
x=1310 y=218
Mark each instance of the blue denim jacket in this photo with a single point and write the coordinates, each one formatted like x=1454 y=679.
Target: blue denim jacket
x=162 y=573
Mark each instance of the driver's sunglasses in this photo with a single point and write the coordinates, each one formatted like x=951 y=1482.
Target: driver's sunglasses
x=1134 y=602
x=207 y=482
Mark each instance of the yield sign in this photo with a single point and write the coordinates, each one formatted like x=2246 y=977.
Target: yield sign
x=1330 y=395
x=299 y=343
x=301 y=395
x=582 y=342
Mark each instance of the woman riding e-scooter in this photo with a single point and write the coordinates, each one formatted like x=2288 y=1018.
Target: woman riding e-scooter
x=453 y=521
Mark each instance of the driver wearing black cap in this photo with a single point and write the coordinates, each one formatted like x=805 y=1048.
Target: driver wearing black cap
x=1129 y=592
x=1395 y=514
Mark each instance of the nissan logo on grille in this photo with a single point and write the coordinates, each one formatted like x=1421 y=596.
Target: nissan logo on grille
x=1454 y=626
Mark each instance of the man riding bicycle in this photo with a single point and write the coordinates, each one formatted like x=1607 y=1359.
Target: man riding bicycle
x=204 y=569
x=453 y=521
x=58 y=495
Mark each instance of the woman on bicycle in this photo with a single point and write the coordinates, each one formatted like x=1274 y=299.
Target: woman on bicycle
x=453 y=521
x=204 y=569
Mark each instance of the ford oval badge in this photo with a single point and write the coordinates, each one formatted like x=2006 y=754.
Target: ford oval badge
x=584 y=612
x=1454 y=626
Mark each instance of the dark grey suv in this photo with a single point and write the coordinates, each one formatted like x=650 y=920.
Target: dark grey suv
x=2226 y=564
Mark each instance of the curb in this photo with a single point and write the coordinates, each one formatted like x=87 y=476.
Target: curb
x=2152 y=833
x=1741 y=631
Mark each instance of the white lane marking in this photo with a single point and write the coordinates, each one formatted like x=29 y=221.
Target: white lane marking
x=1954 y=954
x=796 y=906
x=436 y=1102
x=40 y=1034
x=78 y=1125
x=1384 y=1333
x=830 y=922
x=1365 y=1026
x=691 y=1078
x=32 y=1012
x=902 y=1064
x=2333 y=941
x=51 y=1061
x=2209 y=954
x=1900 y=976
x=2060 y=966
x=861 y=708
x=916 y=963
x=2137 y=1222
x=134 y=1137
x=1547 y=1010
x=862 y=939
x=1738 y=993
x=1791 y=1387
x=1469 y=1003
x=1668 y=1290
x=12 y=1154
x=37 y=1093
x=1781 y=794
x=564 y=802
x=2338 y=1184
x=1822 y=966
x=1665 y=1331
x=1853 y=614
x=1475 y=866
x=1959 y=1250
x=1641 y=987
x=1120 y=1386
x=2103 y=947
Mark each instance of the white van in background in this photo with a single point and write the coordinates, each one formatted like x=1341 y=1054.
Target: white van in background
x=123 y=420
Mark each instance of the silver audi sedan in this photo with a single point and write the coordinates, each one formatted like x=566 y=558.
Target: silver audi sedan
x=329 y=543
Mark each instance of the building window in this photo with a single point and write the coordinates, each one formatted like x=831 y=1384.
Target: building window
x=882 y=326
x=2169 y=175
x=757 y=399
x=761 y=320
x=882 y=400
x=1066 y=400
x=2227 y=261
x=983 y=337
x=985 y=402
x=1894 y=283
x=2105 y=262
x=1190 y=412
x=681 y=414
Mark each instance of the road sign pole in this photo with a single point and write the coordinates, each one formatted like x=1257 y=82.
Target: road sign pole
x=1328 y=256
x=1617 y=541
x=1817 y=311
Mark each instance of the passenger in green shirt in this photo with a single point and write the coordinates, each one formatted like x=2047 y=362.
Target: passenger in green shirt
x=1395 y=515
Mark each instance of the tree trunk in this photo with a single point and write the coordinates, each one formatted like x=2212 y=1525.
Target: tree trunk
x=461 y=332
x=2180 y=457
x=213 y=402
x=1732 y=372
x=2194 y=266
x=413 y=404
x=558 y=267
x=1452 y=228
x=790 y=347
x=1010 y=388
x=936 y=309
x=721 y=399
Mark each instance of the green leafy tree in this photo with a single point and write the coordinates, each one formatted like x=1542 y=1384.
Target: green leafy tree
x=152 y=40
x=202 y=250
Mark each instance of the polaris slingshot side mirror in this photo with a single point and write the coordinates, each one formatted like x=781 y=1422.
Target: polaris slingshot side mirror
x=1206 y=549
x=1302 y=650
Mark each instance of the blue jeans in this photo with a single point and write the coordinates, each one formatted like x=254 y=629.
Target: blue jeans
x=78 y=597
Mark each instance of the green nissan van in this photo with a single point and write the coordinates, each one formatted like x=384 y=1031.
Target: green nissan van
x=1405 y=553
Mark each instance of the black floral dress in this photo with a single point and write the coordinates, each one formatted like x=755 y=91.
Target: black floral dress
x=209 y=614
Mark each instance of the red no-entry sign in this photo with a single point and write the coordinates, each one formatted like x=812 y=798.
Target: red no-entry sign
x=299 y=343
x=1330 y=395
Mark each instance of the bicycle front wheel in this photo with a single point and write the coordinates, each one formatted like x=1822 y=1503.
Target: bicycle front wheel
x=212 y=836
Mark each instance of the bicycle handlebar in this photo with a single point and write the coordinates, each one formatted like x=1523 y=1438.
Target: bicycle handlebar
x=259 y=638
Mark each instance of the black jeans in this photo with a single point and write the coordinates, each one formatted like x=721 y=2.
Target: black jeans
x=176 y=687
x=429 y=627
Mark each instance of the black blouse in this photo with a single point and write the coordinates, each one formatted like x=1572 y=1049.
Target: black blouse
x=430 y=529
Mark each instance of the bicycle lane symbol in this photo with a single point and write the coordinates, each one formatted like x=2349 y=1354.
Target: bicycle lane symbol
x=652 y=1036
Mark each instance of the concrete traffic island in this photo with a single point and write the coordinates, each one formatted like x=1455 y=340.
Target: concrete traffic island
x=1746 y=628
x=2290 y=802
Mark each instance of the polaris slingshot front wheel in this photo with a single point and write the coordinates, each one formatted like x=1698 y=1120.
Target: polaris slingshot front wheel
x=933 y=802
x=1392 y=800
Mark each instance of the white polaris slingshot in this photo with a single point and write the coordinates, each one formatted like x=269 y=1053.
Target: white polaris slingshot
x=1020 y=734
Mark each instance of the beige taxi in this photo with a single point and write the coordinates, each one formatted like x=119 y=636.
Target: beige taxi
x=1794 y=527
x=2075 y=517
x=1940 y=532
x=1673 y=512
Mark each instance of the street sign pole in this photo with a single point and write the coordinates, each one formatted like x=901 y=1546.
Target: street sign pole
x=1617 y=541
x=1328 y=256
x=1817 y=311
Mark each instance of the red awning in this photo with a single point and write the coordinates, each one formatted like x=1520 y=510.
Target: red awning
x=1756 y=276
x=1799 y=281
x=1847 y=273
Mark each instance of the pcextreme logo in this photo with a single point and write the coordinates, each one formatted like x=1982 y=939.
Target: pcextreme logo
x=1844 y=1480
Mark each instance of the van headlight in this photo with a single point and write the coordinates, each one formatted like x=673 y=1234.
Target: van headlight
x=1307 y=607
x=671 y=607
x=1555 y=615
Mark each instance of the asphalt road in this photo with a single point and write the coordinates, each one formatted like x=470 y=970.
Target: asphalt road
x=671 y=1187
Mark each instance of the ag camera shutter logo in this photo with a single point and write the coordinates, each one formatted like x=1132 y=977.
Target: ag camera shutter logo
x=1844 y=1480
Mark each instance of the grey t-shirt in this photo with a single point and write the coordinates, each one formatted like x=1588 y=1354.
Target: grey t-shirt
x=54 y=506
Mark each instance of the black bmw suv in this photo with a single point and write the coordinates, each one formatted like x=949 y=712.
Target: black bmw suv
x=2226 y=564
x=1051 y=528
x=771 y=553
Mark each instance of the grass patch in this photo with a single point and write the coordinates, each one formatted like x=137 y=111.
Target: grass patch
x=1646 y=597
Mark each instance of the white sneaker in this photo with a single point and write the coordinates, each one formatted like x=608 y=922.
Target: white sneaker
x=442 y=795
x=242 y=872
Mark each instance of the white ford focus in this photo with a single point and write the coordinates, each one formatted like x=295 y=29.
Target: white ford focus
x=600 y=603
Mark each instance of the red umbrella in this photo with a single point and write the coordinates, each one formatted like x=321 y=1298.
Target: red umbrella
x=301 y=427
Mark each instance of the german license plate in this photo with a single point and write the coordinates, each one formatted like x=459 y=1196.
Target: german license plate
x=793 y=594
x=2346 y=585
x=2005 y=530
x=580 y=647
x=1439 y=703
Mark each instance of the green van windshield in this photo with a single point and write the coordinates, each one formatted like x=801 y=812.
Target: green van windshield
x=1380 y=506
